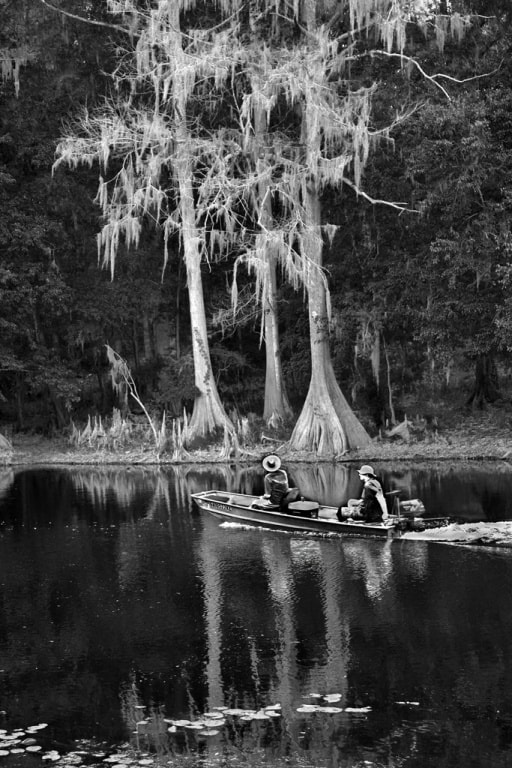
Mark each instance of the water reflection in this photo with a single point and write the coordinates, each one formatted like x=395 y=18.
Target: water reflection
x=122 y=605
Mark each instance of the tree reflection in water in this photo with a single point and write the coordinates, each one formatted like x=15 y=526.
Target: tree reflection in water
x=119 y=597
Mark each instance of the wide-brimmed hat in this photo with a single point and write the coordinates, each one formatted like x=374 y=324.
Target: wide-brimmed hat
x=366 y=470
x=271 y=463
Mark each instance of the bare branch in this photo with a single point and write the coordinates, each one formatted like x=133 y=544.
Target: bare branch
x=473 y=77
x=89 y=21
x=433 y=78
x=374 y=201
x=409 y=59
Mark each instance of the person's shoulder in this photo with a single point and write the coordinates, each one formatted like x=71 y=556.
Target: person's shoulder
x=375 y=484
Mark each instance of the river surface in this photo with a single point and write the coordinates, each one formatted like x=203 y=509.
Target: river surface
x=126 y=615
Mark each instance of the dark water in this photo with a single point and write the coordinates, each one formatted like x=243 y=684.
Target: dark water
x=119 y=600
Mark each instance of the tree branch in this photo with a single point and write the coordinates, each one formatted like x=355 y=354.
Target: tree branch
x=88 y=21
x=374 y=201
x=432 y=78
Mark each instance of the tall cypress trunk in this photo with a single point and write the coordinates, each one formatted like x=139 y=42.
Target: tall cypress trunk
x=276 y=404
x=208 y=413
x=327 y=425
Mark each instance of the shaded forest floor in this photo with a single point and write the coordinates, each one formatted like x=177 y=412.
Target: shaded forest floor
x=483 y=434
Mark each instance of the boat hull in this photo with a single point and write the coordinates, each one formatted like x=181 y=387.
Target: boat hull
x=238 y=508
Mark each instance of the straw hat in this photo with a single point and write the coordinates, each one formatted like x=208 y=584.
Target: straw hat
x=366 y=470
x=271 y=463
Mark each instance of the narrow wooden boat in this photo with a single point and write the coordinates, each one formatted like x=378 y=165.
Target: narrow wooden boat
x=302 y=516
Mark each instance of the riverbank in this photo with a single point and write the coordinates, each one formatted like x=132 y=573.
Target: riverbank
x=481 y=436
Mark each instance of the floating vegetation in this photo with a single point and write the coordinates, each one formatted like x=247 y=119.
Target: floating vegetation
x=20 y=740
x=330 y=698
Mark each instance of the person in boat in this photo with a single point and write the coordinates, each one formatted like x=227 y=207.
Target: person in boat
x=371 y=506
x=275 y=482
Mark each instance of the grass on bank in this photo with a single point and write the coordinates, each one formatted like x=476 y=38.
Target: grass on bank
x=129 y=440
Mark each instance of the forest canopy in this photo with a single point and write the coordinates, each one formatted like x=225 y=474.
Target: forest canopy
x=295 y=212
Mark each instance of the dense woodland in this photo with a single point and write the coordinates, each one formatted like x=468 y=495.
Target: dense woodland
x=292 y=212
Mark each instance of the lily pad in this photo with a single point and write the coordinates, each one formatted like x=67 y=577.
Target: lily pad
x=4 y=752
x=209 y=732
x=332 y=697
x=308 y=708
x=34 y=748
x=358 y=710
x=330 y=710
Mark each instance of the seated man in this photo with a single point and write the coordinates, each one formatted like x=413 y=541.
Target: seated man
x=275 y=481
x=371 y=507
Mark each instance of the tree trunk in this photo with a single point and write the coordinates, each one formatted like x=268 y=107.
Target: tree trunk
x=20 y=389
x=146 y=335
x=486 y=387
x=61 y=415
x=177 y=310
x=327 y=425
x=276 y=404
x=135 y=344
x=208 y=413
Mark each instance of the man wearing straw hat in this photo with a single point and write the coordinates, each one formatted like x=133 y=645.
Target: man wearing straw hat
x=371 y=506
x=275 y=481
